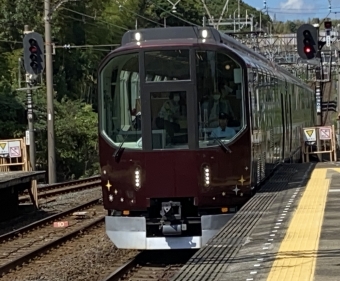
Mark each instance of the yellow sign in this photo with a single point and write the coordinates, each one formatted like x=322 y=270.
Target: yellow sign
x=3 y=145
x=309 y=132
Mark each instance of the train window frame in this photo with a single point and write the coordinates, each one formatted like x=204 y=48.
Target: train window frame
x=103 y=71
x=234 y=56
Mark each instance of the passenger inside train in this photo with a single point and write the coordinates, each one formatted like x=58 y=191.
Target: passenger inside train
x=168 y=112
x=211 y=108
x=170 y=116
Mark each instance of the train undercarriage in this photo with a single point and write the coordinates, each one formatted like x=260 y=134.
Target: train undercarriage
x=167 y=224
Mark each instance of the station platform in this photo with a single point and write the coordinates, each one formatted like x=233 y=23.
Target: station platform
x=290 y=230
x=11 y=183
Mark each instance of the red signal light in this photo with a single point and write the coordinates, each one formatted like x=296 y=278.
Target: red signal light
x=307 y=50
x=328 y=25
x=33 y=49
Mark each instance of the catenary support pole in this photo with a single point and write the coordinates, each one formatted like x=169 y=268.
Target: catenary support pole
x=50 y=95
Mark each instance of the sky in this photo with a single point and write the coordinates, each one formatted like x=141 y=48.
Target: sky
x=298 y=9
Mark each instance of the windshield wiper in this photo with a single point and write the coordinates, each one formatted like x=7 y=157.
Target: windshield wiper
x=224 y=147
x=119 y=152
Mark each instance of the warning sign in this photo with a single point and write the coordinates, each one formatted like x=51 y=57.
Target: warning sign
x=3 y=149
x=325 y=133
x=14 y=149
x=309 y=134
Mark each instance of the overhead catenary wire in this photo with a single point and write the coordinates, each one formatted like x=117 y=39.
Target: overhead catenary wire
x=138 y=15
x=168 y=12
x=94 y=17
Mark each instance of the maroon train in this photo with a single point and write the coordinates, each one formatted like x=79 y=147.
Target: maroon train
x=172 y=174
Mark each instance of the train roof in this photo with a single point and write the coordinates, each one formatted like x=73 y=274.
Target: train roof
x=207 y=35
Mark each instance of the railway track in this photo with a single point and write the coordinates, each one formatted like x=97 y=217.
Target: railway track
x=51 y=190
x=151 y=265
x=24 y=244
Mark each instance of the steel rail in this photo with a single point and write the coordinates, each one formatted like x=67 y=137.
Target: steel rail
x=55 y=189
x=28 y=256
x=120 y=272
x=13 y=234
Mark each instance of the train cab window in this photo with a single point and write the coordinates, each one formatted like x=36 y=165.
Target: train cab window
x=169 y=120
x=120 y=101
x=220 y=97
x=172 y=64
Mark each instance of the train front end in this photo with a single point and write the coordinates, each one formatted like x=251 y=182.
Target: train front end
x=175 y=149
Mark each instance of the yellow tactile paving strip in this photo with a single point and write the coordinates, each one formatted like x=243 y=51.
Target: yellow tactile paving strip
x=296 y=258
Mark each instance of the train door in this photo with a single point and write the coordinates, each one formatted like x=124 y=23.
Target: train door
x=167 y=135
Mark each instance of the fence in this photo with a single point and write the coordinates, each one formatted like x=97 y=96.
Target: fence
x=318 y=140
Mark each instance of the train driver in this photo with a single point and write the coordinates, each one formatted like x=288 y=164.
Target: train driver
x=223 y=131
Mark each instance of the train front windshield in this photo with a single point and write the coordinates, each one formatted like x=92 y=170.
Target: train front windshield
x=171 y=99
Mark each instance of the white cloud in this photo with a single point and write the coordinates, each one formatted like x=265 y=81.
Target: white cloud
x=292 y=4
x=296 y=5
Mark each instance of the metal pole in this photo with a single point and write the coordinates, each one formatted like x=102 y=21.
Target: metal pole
x=319 y=98
x=30 y=127
x=30 y=117
x=239 y=24
x=50 y=96
x=338 y=105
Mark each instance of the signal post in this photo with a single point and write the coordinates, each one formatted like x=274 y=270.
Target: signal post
x=309 y=48
x=34 y=64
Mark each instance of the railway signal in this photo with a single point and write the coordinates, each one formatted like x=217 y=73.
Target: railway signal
x=307 y=41
x=328 y=29
x=33 y=53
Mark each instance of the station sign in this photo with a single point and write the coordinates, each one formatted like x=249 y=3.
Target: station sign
x=318 y=100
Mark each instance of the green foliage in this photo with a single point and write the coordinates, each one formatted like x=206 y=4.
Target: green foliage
x=76 y=136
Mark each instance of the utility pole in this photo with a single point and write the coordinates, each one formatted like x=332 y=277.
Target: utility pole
x=338 y=103
x=50 y=95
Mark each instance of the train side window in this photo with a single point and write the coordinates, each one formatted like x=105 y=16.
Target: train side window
x=169 y=120
x=120 y=101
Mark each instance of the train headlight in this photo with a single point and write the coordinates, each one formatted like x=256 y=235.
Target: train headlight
x=205 y=34
x=207 y=176
x=137 y=179
x=138 y=36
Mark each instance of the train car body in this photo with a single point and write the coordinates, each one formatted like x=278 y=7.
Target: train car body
x=169 y=180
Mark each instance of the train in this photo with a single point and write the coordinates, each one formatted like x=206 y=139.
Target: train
x=191 y=122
